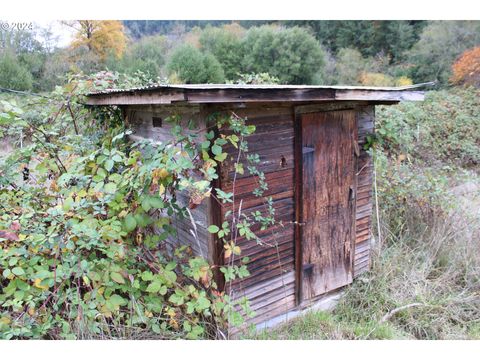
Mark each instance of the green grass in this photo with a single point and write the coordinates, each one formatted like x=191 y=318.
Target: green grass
x=322 y=325
x=435 y=263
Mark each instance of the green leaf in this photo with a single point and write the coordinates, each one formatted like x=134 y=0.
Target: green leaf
x=239 y=168
x=101 y=173
x=156 y=329
x=117 y=278
x=109 y=164
x=170 y=276
x=147 y=276
x=156 y=203
x=163 y=290
x=210 y=135
x=116 y=178
x=67 y=204
x=236 y=319
x=170 y=266
x=221 y=157
x=216 y=150
x=177 y=299
x=117 y=158
x=6 y=273
x=129 y=223
x=203 y=303
x=213 y=229
x=18 y=271
x=115 y=301
x=110 y=187
x=154 y=287
x=146 y=204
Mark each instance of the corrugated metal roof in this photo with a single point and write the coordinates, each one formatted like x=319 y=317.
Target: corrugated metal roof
x=253 y=87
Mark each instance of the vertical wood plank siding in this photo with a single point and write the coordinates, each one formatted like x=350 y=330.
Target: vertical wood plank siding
x=365 y=121
x=328 y=205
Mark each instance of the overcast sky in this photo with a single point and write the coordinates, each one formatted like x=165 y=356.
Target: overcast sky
x=63 y=34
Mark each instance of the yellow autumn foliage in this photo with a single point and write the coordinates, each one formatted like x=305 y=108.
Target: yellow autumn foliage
x=378 y=79
x=100 y=36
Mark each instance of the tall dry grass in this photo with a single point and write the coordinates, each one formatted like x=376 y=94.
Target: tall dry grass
x=424 y=283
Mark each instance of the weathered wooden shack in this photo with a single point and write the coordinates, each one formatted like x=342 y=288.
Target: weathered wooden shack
x=310 y=140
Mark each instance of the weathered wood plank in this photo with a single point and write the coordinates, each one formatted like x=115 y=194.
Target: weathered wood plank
x=365 y=120
x=328 y=181
x=258 y=95
x=265 y=287
x=379 y=95
x=137 y=98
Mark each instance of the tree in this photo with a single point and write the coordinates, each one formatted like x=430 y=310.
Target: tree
x=370 y=37
x=140 y=28
x=213 y=70
x=225 y=44
x=466 y=70
x=55 y=70
x=291 y=54
x=192 y=67
x=440 y=44
x=146 y=55
x=13 y=75
x=349 y=67
x=28 y=52
x=99 y=36
x=398 y=37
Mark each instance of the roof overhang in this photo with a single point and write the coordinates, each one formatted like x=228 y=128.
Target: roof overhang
x=222 y=93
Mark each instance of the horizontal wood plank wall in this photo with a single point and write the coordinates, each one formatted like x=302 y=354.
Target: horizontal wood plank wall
x=270 y=287
x=150 y=122
x=365 y=121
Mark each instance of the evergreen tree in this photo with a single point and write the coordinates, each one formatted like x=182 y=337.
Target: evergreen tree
x=225 y=43
x=292 y=55
x=12 y=74
x=192 y=67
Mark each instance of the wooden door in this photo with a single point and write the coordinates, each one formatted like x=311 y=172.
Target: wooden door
x=327 y=207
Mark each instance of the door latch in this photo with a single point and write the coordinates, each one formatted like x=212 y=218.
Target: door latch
x=351 y=194
x=307 y=269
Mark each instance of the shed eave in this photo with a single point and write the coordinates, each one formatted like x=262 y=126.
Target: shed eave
x=210 y=93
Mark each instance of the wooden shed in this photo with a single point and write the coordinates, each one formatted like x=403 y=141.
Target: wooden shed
x=310 y=140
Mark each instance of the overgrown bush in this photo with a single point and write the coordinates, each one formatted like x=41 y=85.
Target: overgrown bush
x=191 y=66
x=85 y=218
x=291 y=54
x=442 y=129
x=12 y=74
x=425 y=270
x=225 y=43
x=146 y=55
